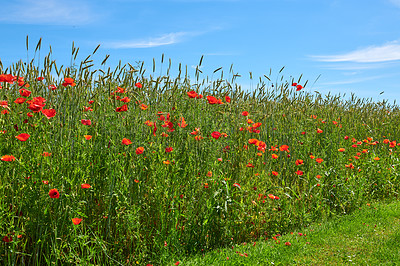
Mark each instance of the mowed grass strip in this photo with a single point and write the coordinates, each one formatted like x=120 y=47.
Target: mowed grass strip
x=369 y=236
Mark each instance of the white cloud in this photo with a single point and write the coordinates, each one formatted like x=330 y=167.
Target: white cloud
x=165 y=39
x=55 y=12
x=372 y=54
x=395 y=2
x=355 y=80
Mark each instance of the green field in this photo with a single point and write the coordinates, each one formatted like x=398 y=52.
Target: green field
x=126 y=166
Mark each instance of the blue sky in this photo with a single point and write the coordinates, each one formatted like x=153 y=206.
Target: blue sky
x=354 y=45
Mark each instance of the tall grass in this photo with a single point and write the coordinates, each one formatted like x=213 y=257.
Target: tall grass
x=207 y=192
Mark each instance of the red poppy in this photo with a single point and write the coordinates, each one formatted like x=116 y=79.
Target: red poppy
x=85 y=186
x=192 y=94
x=143 y=106
x=20 y=100
x=274 y=173
x=284 y=148
x=169 y=149
x=40 y=78
x=288 y=244
x=215 y=134
x=123 y=108
x=299 y=172
x=274 y=156
x=53 y=193
x=341 y=149
x=46 y=154
x=88 y=137
x=76 y=221
x=7 y=158
x=237 y=185
x=319 y=130
x=299 y=162
x=23 y=137
x=139 y=85
x=52 y=87
x=139 y=150
x=298 y=87
x=199 y=96
x=49 y=113
x=5 y=112
x=245 y=113
x=294 y=84
x=126 y=141
x=24 y=92
x=86 y=122
x=4 y=104
x=125 y=100
x=212 y=100
x=7 y=239
x=227 y=99
x=319 y=160
x=69 y=81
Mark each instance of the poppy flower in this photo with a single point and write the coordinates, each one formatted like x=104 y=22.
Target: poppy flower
x=143 y=106
x=319 y=160
x=299 y=162
x=274 y=156
x=86 y=122
x=227 y=99
x=4 y=104
x=76 y=221
x=166 y=162
x=46 y=154
x=7 y=158
x=212 y=100
x=85 y=186
x=284 y=148
x=88 y=137
x=192 y=94
x=250 y=165
x=288 y=244
x=215 y=134
x=69 y=81
x=49 y=113
x=123 y=108
x=299 y=172
x=54 y=194
x=209 y=174
x=205 y=185
x=139 y=150
x=245 y=113
x=20 y=100
x=138 y=85
x=254 y=141
x=23 y=137
x=5 y=112
x=126 y=141
x=294 y=84
x=7 y=239
x=237 y=185
x=319 y=130
x=169 y=149
x=341 y=149
x=52 y=87
x=125 y=100
x=24 y=92
x=298 y=87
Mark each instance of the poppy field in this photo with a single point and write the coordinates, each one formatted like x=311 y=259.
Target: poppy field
x=125 y=166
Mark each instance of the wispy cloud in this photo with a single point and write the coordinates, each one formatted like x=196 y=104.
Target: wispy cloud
x=165 y=39
x=395 y=2
x=372 y=54
x=353 y=81
x=55 y=12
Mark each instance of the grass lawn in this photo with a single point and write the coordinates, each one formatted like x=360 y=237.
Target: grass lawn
x=369 y=236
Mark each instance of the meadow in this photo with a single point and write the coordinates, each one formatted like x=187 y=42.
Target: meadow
x=122 y=166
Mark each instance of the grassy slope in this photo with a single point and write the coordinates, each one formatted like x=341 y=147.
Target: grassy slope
x=370 y=236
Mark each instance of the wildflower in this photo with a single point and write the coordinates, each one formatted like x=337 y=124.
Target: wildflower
x=209 y=174
x=298 y=87
x=299 y=172
x=125 y=100
x=52 y=87
x=284 y=148
x=23 y=137
x=20 y=100
x=271 y=196
x=24 y=92
x=86 y=122
x=123 y=108
x=274 y=173
x=250 y=165
x=49 y=113
x=205 y=185
x=215 y=134
x=299 y=162
x=7 y=239
x=76 y=221
x=341 y=149
x=227 y=99
x=212 y=100
x=139 y=150
x=237 y=185
x=126 y=141
x=139 y=85
x=377 y=158
x=53 y=193
x=46 y=154
x=192 y=94
x=166 y=162
x=318 y=176
x=69 y=81
x=7 y=158
x=88 y=137
x=84 y=186
x=143 y=106
x=274 y=156
x=245 y=113
x=319 y=130
x=288 y=244
x=169 y=149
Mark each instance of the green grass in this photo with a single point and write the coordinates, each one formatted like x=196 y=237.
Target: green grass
x=369 y=236
x=167 y=174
